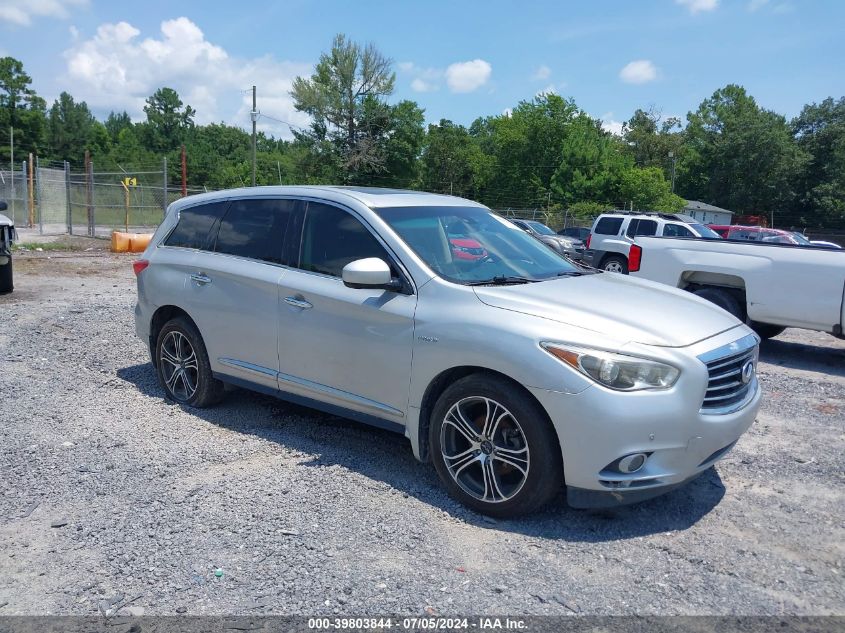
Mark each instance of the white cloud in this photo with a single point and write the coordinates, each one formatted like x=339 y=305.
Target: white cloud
x=698 y=6
x=640 y=71
x=609 y=124
x=542 y=72
x=421 y=85
x=548 y=90
x=116 y=70
x=468 y=76
x=508 y=112
x=754 y=5
x=22 y=12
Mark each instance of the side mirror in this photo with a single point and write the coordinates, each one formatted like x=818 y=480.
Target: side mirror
x=3 y=205
x=371 y=273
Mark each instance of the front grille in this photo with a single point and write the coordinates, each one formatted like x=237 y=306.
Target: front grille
x=726 y=392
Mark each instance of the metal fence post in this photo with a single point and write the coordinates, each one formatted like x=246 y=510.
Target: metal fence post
x=39 y=195
x=25 y=192
x=67 y=199
x=164 y=191
x=90 y=197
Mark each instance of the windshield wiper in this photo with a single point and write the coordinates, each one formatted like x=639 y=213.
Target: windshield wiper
x=502 y=280
x=570 y=273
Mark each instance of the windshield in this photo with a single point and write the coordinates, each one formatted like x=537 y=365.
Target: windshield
x=801 y=239
x=473 y=244
x=540 y=227
x=706 y=232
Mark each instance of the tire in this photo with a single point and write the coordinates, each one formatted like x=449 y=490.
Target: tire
x=615 y=264
x=525 y=477
x=184 y=372
x=723 y=299
x=6 y=280
x=766 y=330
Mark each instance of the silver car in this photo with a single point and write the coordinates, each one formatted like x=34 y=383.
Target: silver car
x=514 y=372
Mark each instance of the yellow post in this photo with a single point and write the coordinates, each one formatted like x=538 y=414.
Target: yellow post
x=126 y=204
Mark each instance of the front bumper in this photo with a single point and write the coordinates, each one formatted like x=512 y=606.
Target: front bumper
x=598 y=426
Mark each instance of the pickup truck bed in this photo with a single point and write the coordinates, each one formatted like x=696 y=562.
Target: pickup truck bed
x=771 y=286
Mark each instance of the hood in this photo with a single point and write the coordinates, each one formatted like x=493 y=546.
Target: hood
x=617 y=305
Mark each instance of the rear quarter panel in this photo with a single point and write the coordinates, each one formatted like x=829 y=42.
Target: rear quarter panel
x=784 y=285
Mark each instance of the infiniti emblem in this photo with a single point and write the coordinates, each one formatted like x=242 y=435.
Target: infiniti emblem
x=747 y=372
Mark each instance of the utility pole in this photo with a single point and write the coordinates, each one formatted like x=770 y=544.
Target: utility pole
x=184 y=173
x=12 y=165
x=672 y=156
x=254 y=116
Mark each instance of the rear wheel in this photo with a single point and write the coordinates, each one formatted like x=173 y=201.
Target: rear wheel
x=6 y=281
x=182 y=365
x=722 y=298
x=766 y=330
x=615 y=264
x=494 y=447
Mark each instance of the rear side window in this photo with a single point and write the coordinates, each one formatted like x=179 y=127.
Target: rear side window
x=642 y=227
x=195 y=224
x=331 y=238
x=255 y=228
x=677 y=230
x=608 y=226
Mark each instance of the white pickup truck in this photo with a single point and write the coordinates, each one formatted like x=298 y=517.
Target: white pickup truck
x=770 y=286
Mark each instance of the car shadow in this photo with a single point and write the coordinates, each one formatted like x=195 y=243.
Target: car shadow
x=386 y=457
x=824 y=360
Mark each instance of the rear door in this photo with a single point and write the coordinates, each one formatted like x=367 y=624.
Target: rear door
x=233 y=289
x=343 y=346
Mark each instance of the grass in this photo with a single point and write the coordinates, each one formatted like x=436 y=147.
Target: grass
x=47 y=246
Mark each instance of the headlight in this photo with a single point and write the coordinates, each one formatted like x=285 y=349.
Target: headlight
x=617 y=371
x=565 y=243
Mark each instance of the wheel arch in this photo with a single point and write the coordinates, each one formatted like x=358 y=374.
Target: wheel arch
x=733 y=284
x=161 y=316
x=447 y=377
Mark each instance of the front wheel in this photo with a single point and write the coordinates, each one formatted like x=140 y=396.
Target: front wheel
x=615 y=264
x=494 y=448
x=182 y=365
x=722 y=298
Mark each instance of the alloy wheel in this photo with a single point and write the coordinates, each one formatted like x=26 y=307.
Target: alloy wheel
x=179 y=367
x=484 y=449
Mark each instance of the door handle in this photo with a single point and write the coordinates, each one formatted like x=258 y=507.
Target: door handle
x=201 y=278
x=298 y=303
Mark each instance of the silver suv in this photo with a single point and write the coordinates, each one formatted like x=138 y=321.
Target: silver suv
x=513 y=370
x=612 y=234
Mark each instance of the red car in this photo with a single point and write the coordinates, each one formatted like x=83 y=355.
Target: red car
x=467 y=248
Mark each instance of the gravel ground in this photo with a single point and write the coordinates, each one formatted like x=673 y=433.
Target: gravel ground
x=111 y=498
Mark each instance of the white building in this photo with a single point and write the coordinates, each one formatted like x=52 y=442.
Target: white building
x=707 y=213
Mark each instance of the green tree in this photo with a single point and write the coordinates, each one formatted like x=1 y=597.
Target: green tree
x=453 y=163
x=403 y=145
x=647 y=189
x=591 y=165
x=739 y=156
x=116 y=122
x=345 y=98
x=820 y=132
x=20 y=108
x=650 y=139
x=168 y=120
x=71 y=129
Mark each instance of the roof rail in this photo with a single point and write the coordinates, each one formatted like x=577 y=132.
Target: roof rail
x=660 y=214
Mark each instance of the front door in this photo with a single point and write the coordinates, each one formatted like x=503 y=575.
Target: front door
x=343 y=346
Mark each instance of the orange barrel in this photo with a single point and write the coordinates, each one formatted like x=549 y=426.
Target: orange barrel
x=138 y=242
x=119 y=242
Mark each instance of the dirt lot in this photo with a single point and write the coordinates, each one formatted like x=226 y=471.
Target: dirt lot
x=111 y=498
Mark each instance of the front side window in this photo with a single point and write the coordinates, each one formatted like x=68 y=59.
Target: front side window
x=332 y=238
x=473 y=245
x=255 y=228
x=195 y=224
x=539 y=227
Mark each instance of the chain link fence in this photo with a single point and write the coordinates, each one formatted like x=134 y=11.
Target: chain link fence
x=56 y=200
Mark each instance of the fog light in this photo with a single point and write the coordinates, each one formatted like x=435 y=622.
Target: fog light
x=632 y=463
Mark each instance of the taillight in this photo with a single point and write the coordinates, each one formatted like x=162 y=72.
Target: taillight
x=587 y=243
x=635 y=256
x=139 y=265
